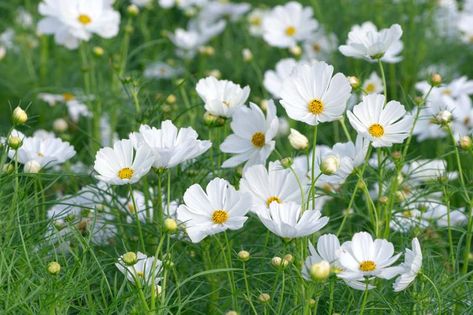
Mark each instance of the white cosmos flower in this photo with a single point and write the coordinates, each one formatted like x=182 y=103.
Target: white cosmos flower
x=75 y=20
x=143 y=270
x=465 y=26
x=216 y=10
x=365 y=41
x=141 y=3
x=382 y=124
x=170 y=146
x=255 y=21
x=373 y=85
x=218 y=208
x=411 y=267
x=311 y=95
x=438 y=213
x=426 y=170
x=273 y=79
x=181 y=4
x=406 y=220
x=276 y=184
x=253 y=134
x=320 y=46
x=285 y=26
x=123 y=164
x=287 y=220
x=221 y=97
x=363 y=257
x=161 y=70
x=47 y=152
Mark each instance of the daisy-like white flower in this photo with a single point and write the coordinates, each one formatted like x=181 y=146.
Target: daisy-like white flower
x=123 y=164
x=275 y=184
x=170 y=146
x=273 y=79
x=216 y=10
x=320 y=46
x=438 y=213
x=312 y=95
x=252 y=138
x=366 y=42
x=285 y=26
x=426 y=170
x=411 y=267
x=181 y=4
x=221 y=97
x=382 y=124
x=47 y=151
x=407 y=220
x=73 y=21
x=363 y=257
x=373 y=85
x=255 y=21
x=465 y=27
x=161 y=70
x=146 y=269
x=287 y=220
x=218 y=208
x=141 y=3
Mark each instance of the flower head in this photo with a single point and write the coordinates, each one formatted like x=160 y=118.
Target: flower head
x=410 y=268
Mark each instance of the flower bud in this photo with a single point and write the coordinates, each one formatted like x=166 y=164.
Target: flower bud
x=247 y=55
x=286 y=162
x=215 y=73
x=171 y=99
x=312 y=302
x=297 y=140
x=133 y=10
x=435 y=80
x=396 y=155
x=32 y=167
x=19 y=116
x=170 y=225
x=60 y=125
x=296 y=50
x=213 y=121
x=330 y=165
x=244 y=255
x=207 y=50
x=54 y=268
x=8 y=168
x=383 y=200
x=264 y=297
x=130 y=258
x=14 y=142
x=231 y=313
x=400 y=196
x=465 y=143
x=159 y=289
x=289 y=258
x=320 y=271
x=444 y=117
x=278 y=262
x=354 y=82
x=98 y=51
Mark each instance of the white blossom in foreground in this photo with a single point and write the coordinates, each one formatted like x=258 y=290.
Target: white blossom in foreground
x=221 y=97
x=285 y=26
x=123 y=164
x=384 y=125
x=218 y=208
x=312 y=95
x=410 y=268
x=170 y=146
x=363 y=257
x=253 y=133
x=146 y=269
x=366 y=42
x=287 y=220
x=74 y=21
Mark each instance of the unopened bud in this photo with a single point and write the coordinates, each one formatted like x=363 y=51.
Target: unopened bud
x=444 y=117
x=60 y=125
x=207 y=50
x=231 y=313
x=133 y=10
x=19 y=116
x=54 y=268
x=383 y=200
x=170 y=225
x=14 y=142
x=396 y=155
x=296 y=50
x=213 y=121
x=130 y=258
x=171 y=99
x=264 y=297
x=435 y=80
x=287 y=162
x=247 y=55
x=278 y=262
x=465 y=142
x=330 y=165
x=297 y=140
x=8 y=168
x=289 y=258
x=244 y=255
x=354 y=82
x=320 y=271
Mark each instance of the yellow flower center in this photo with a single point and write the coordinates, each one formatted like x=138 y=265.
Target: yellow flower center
x=125 y=173
x=316 y=47
x=407 y=214
x=40 y=154
x=140 y=274
x=370 y=87
x=84 y=19
x=290 y=31
x=271 y=199
x=367 y=265
x=131 y=207
x=258 y=139
x=376 y=130
x=316 y=106
x=447 y=92
x=68 y=97
x=255 y=21
x=219 y=216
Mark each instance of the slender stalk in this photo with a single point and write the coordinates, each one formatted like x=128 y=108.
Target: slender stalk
x=439 y=298
x=137 y=219
x=247 y=288
x=365 y=299
x=312 y=186
x=383 y=76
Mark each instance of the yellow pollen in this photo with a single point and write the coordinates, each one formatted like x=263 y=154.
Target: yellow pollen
x=316 y=107
x=125 y=173
x=447 y=92
x=407 y=214
x=140 y=274
x=84 y=19
x=258 y=139
x=376 y=130
x=367 y=265
x=40 y=154
x=226 y=103
x=290 y=31
x=256 y=21
x=220 y=216
x=68 y=97
x=370 y=87
x=271 y=199
x=131 y=207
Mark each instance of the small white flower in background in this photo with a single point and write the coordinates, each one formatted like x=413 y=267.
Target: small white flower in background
x=170 y=146
x=181 y=4
x=123 y=164
x=297 y=140
x=76 y=108
x=24 y=18
x=406 y=220
x=147 y=270
x=287 y=220
x=7 y=41
x=160 y=70
x=312 y=95
x=373 y=85
x=273 y=79
x=362 y=257
x=320 y=46
x=422 y=170
x=218 y=208
x=48 y=151
x=141 y=3
x=221 y=97
x=366 y=42
x=285 y=26
x=284 y=128
x=384 y=125
x=411 y=267
x=438 y=213
x=213 y=11
x=255 y=22
x=74 y=21
x=253 y=133
x=465 y=26
x=276 y=184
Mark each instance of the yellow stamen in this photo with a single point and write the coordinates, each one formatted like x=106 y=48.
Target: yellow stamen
x=316 y=106
x=68 y=97
x=376 y=130
x=84 y=19
x=125 y=173
x=316 y=47
x=367 y=265
x=370 y=87
x=258 y=139
x=290 y=31
x=220 y=216
x=271 y=199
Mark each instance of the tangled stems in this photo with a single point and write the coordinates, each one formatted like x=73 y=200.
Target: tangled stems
x=247 y=288
x=137 y=219
x=424 y=276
